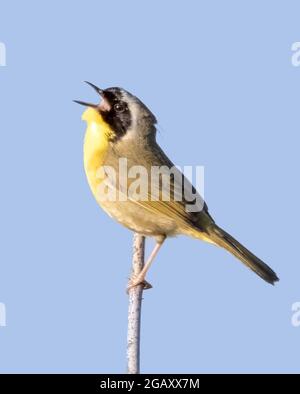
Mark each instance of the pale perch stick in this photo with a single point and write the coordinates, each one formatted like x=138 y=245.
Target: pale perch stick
x=135 y=307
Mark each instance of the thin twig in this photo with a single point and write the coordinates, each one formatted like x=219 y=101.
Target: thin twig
x=135 y=308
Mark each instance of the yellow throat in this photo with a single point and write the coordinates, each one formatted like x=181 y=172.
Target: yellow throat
x=96 y=143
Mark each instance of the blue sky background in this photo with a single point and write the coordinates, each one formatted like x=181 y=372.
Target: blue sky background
x=218 y=76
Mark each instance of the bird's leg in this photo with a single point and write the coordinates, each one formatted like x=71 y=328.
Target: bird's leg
x=140 y=278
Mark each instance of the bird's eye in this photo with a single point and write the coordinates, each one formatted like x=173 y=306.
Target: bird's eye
x=119 y=107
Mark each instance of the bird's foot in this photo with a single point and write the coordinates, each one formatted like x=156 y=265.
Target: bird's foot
x=136 y=281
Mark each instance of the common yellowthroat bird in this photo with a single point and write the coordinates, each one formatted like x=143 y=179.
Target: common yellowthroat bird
x=122 y=127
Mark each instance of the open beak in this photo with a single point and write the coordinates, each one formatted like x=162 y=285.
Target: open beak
x=85 y=104
x=98 y=90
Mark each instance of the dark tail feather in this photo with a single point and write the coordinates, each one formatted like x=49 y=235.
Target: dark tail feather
x=221 y=238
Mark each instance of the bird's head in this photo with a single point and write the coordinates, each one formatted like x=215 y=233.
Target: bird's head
x=124 y=113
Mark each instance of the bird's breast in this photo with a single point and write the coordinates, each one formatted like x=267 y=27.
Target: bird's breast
x=96 y=145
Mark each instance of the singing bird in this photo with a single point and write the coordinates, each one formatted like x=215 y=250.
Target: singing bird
x=121 y=126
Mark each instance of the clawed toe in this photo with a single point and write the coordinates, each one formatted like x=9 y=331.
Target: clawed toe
x=133 y=282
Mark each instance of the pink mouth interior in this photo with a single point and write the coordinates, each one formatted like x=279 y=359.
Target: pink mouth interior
x=104 y=105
